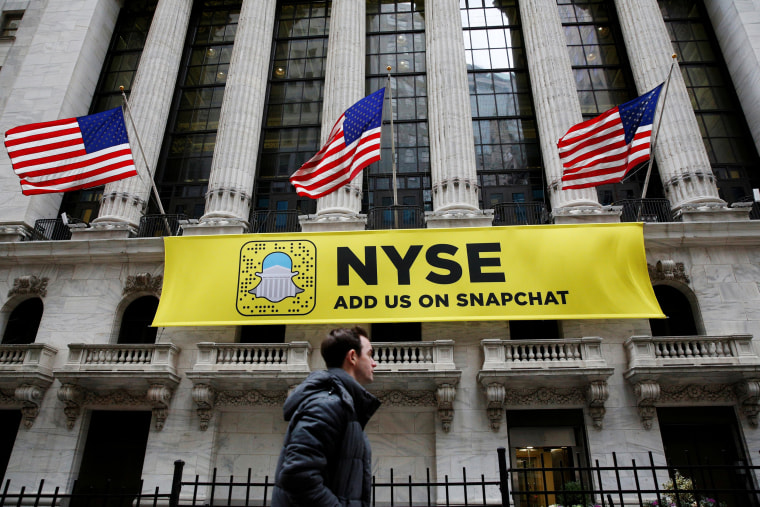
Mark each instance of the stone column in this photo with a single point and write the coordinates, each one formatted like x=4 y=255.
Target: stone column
x=680 y=153
x=452 y=145
x=555 y=99
x=230 y=188
x=125 y=201
x=344 y=86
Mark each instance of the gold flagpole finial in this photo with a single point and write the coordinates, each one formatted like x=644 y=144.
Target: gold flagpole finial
x=674 y=56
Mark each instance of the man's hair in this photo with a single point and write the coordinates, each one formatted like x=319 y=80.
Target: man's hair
x=338 y=342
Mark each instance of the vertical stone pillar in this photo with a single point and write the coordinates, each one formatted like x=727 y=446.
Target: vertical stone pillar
x=452 y=145
x=125 y=201
x=557 y=108
x=230 y=188
x=681 y=156
x=344 y=86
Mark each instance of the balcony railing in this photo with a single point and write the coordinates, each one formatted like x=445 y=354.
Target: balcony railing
x=52 y=229
x=251 y=358
x=155 y=226
x=275 y=221
x=414 y=356
x=395 y=217
x=520 y=213
x=667 y=351
x=561 y=369
x=27 y=372
x=645 y=210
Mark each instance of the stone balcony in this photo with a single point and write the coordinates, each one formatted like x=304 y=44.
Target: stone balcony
x=669 y=370
x=235 y=374
x=417 y=374
x=135 y=375
x=26 y=372
x=537 y=373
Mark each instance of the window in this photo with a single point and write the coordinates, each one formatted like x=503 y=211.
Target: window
x=185 y=163
x=135 y=323
x=293 y=114
x=729 y=145
x=507 y=149
x=10 y=23
x=396 y=38
x=533 y=329
x=272 y=333
x=396 y=332
x=23 y=323
x=676 y=306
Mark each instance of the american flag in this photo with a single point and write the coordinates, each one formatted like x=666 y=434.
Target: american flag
x=71 y=154
x=354 y=143
x=603 y=149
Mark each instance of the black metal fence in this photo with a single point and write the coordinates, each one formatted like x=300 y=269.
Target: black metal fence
x=552 y=485
x=645 y=210
x=52 y=229
x=520 y=213
x=395 y=217
x=275 y=221
x=152 y=226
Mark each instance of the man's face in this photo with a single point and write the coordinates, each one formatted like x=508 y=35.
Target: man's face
x=365 y=364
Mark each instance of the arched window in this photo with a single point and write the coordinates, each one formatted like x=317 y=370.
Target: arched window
x=23 y=323
x=676 y=306
x=135 y=323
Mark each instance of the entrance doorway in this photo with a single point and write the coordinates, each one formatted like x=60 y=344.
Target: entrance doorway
x=113 y=456
x=546 y=444
x=9 y=424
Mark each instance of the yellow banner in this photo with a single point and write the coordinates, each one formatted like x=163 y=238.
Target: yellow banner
x=594 y=271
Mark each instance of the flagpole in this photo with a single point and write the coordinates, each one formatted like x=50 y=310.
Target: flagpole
x=393 y=149
x=145 y=160
x=657 y=131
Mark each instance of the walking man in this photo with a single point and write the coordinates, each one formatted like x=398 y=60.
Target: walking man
x=326 y=457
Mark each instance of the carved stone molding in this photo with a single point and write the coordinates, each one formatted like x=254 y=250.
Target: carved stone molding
x=143 y=282
x=596 y=395
x=495 y=395
x=157 y=397
x=29 y=285
x=668 y=270
x=30 y=396
x=397 y=398
x=250 y=398
x=445 y=396
x=698 y=392
x=647 y=393
x=748 y=394
x=204 y=397
x=546 y=396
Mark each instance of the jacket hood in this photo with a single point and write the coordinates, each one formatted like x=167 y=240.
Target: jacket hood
x=358 y=399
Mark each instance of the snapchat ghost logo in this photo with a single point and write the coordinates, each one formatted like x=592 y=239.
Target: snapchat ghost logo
x=276 y=279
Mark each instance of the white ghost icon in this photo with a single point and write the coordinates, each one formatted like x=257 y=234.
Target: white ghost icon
x=276 y=278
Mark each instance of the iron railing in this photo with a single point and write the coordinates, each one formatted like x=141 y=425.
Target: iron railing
x=645 y=210
x=154 y=226
x=395 y=217
x=686 y=484
x=520 y=213
x=275 y=221
x=52 y=229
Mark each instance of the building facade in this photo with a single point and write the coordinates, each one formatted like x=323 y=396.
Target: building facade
x=229 y=97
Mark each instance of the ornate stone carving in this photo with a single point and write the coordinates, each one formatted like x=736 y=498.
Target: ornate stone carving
x=495 y=395
x=250 y=398
x=445 y=396
x=668 y=270
x=407 y=398
x=647 y=393
x=143 y=282
x=159 y=397
x=545 y=396
x=698 y=392
x=72 y=397
x=29 y=285
x=596 y=395
x=748 y=394
x=30 y=397
x=204 y=396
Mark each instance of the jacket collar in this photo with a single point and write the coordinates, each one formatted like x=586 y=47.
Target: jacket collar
x=355 y=395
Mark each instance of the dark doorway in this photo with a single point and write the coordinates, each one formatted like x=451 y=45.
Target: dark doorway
x=9 y=424
x=696 y=439
x=265 y=333
x=396 y=332
x=533 y=329
x=136 y=321
x=680 y=321
x=113 y=457
x=23 y=323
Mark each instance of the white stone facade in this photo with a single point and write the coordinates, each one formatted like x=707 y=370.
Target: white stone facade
x=50 y=71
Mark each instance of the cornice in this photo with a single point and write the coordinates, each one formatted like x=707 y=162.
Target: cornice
x=690 y=234
x=82 y=251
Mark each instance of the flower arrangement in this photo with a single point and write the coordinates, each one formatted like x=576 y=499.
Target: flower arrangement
x=681 y=494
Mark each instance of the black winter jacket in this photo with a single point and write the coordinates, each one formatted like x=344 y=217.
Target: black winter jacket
x=326 y=458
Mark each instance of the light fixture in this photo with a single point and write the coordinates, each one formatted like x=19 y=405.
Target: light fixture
x=211 y=52
x=403 y=65
x=279 y=72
